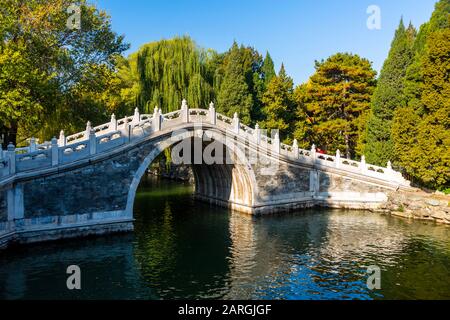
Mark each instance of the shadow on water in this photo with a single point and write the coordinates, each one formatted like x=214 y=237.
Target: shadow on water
x=185 y=249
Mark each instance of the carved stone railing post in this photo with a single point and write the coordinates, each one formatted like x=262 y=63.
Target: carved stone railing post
x=257 y=134
x=212 y=114
x=12 y=158
x=363 y=164
x=389 y=165
x=313 y=152
x=92 y=143
x=62 y=139
x=2 y=161
x=389 y=170
x=33 y=145
x=126 y=132
x=276 y=142
x=295 y=149
x=88 y=130
x=55 y=153
x=184 y=111
x=113 y=123
x=136 y=117
x=338 y=158
x=156 y=119
x=236 y=123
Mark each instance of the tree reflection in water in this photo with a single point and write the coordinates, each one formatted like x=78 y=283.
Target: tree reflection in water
x=184 y=249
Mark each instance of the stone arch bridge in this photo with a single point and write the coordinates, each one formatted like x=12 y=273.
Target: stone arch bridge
x=85 y=183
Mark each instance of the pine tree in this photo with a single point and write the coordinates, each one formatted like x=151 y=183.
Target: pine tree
x=378 y=144
x=414 y=80
x=278 y=104
x=234 y=94
x=268 y=69
x=420 y=130
x=302 y=122
x=434 y=129
x=336 y=101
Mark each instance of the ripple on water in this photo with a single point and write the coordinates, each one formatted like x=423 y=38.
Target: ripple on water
x=183 y=249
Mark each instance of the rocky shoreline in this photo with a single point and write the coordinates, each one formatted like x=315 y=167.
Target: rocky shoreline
x=418 y=205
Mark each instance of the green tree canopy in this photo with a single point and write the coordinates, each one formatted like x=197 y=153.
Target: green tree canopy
x=336 y=102
x=388 y=96
x=169 y=71
x=53 y=76
x=414 y=77
x=278 y=105
x=420 y=129
x=235 y=95
x=268 y=69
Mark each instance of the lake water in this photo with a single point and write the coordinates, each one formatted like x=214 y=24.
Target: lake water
x=185 y=249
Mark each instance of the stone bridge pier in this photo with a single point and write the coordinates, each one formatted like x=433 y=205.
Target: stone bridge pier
x=86 y=183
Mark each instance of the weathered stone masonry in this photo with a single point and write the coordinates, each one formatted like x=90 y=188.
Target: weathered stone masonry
x=98 y=187
x=86 y=183
x=3 y=205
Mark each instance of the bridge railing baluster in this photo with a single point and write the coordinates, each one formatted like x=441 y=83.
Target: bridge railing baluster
x=12 y=158
x=257 y=134
x=313 y=153
x=184 y=111
x=4 y=163
x=113 y=123
x=156 y=119
x=92 y=143
x=116 y=132
x=236 y=123
x=276 y=142
x=363 y=165
x=337 y=159
x=55 y=152
x=62 y=139
x=295 y=149
x=212 y=114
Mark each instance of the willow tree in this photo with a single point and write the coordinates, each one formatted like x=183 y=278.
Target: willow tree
x=168 y=71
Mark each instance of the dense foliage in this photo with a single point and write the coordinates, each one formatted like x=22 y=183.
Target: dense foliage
x=53 y=77
x=421 y=129
x=388 y=96
x=167 y=71
x=278 y=104
x=162 y=73
x=335 y=102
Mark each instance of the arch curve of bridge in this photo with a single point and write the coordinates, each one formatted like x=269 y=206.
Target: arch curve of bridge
x=230 y=185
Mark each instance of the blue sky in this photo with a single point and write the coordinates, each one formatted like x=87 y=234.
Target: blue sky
x=295 y=32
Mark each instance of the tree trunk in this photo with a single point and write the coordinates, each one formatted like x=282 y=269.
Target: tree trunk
x=3 y=137
x=12 y=134
x=347 y=146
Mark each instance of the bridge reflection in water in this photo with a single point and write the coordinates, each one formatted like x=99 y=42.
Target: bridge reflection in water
x=185 y=249
x=86 y=183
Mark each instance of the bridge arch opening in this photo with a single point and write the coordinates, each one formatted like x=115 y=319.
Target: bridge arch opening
x=224 y=184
